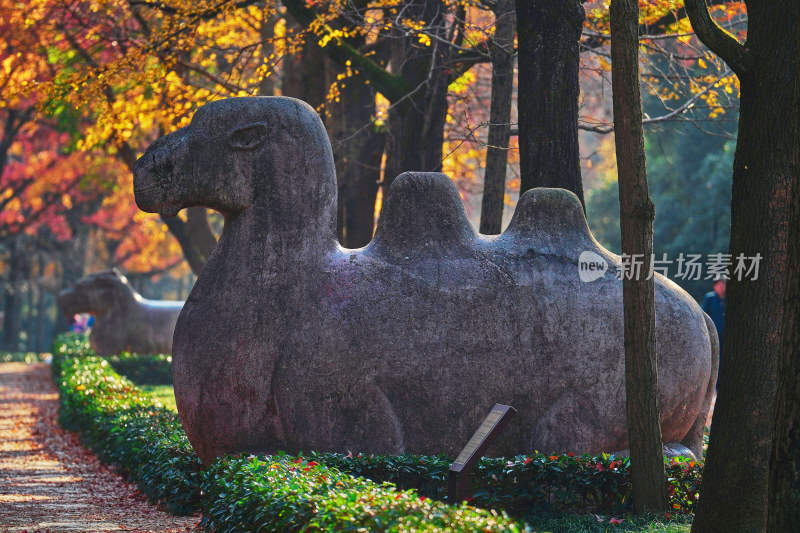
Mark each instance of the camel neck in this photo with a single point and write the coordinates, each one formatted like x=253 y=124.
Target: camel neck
x=258 y=238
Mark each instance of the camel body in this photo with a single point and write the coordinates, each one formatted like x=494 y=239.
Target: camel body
x=290 y=342
x=124 y=321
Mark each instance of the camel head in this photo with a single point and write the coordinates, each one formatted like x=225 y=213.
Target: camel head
x=238 y=153
x=95 y=293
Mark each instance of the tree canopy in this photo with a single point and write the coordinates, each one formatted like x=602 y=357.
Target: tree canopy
x=87 y=85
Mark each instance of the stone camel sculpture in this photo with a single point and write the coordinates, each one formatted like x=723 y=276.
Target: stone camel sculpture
x=290 y=342
x=123 y=319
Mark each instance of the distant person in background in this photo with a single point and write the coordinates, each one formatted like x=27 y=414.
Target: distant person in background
x=81 y=322
x=714 y=306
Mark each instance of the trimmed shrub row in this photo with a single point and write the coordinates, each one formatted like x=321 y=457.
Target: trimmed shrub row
x=23 y=357
x=127 y=427
x=144 y=369
x=528 y=484
x=283 y=493
x=280 y=493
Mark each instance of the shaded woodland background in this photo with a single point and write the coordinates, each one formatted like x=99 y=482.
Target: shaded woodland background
x=88 y=85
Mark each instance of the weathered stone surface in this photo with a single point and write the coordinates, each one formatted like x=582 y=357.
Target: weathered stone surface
x=289 y=341
x=123 y=319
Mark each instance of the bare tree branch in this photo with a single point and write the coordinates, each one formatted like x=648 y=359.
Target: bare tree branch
x=717 y=39
x=219 y=80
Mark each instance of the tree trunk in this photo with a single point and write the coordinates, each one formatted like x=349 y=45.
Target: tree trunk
x=41 y=309
x=549 y=32
x=267 y=33
x=304 y=73
x=73 y=258
x=194 y=236
x=766 y=174
x=416 y=124
x=636 y=220
x=501 y=50
x=357 y=144
x=18 y=268
x=357 y=152
x=30 y=312
x=783 y=497
x=784 y=465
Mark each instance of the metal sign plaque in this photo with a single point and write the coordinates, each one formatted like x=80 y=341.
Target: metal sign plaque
x=491 y=426
x=486 y=427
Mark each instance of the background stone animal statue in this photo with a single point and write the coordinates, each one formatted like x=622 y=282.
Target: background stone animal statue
x=123 y=319
x=288 y=341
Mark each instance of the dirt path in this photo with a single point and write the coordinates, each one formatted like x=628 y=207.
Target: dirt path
x=48 y=482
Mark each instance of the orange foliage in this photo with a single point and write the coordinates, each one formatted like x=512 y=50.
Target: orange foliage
x=109 y=77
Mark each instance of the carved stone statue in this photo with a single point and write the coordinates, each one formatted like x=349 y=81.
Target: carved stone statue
x=288 y=341
x=123 y=319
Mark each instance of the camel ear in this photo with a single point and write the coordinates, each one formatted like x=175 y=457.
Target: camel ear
x=248 y=137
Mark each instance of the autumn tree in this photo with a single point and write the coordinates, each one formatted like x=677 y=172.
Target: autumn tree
x=549 y=33
x=501 y=51
x=124 y=73
x=59 y=202
x=760 y=330
x=138 y=69
x=636 y=220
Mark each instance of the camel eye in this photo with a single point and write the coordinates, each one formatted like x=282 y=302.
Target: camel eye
x=248 y=137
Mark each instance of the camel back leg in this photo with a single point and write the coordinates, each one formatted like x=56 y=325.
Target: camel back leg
x=694 y=439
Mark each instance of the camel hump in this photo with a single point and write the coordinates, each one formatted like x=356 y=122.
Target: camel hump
x=550 y=218
x=423 y=209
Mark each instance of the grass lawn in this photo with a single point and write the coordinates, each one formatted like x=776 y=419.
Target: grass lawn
x=162 y=393
x=590 y=524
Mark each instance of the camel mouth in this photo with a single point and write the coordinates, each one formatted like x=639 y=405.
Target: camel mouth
x=146 y=189
x=151 y=178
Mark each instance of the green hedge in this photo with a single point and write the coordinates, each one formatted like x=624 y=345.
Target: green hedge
x=283 y=493
x=127 y=427
x=144 y=369
x=23 y=357
x=529 y=484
